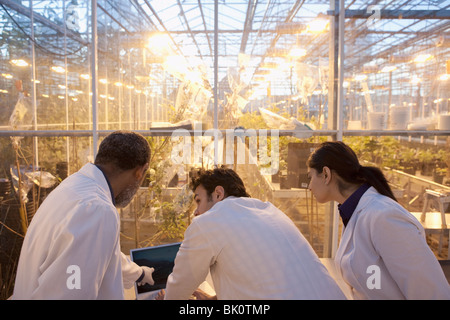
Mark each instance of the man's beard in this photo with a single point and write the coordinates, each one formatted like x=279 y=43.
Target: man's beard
x=125 y=197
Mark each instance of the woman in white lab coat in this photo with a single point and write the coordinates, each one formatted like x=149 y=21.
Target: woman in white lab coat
x=383 y=253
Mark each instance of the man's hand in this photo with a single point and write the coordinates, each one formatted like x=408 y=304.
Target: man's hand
x=147 y=276
x=197 y=295
x=202 y=295
x=160 y=295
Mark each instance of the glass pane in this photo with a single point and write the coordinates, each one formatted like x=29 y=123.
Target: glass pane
x=277 y=98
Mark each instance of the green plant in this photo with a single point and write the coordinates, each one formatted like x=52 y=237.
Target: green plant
x=425 y=155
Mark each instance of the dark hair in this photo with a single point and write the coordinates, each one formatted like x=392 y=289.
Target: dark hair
x=225 y=177
x=124 y=149
x=339 y=157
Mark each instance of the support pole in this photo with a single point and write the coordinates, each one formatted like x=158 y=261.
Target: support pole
x=94 y=71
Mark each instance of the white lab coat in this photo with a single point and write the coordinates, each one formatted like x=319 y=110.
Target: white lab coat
x=71 y=249
x=253 y=251
x=383 y=234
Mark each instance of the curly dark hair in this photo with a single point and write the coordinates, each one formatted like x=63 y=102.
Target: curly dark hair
x=124 y=149
x=224 y=177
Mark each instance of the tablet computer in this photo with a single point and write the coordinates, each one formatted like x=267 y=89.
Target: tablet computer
x=162 y=259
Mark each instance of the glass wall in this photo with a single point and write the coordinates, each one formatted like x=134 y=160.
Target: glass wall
x=254 y=85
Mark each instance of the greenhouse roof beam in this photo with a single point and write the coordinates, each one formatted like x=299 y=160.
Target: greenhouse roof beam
x=41 y=19
x=189 y=28
x=204 y=24
x=248 y=23
x=396 y=14
x=114 y=19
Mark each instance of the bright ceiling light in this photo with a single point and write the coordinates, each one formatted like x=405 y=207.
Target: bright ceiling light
x=415 y=79
x=388 y=68
x=317 y=26
x=85 y=76
x=19 y=63
x=360 y=77
x=159 y=43
x=423 y=57
x=297 y=52
x=58 y=69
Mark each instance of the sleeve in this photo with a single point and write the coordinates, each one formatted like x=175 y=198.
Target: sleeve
x=401 y=243
x=82 y=253
x=130 y=271
x=192 y=264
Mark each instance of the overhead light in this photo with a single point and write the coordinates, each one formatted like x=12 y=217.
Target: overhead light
x=444 y=77
x=104 y=81
x=159 y=43
x=317 y=26
x=19 y=63
x=118 y=84
x=85 y=76
x=290 y=28
x=269 y=65
x=388 y=68
x=297 y=52
x=58 y=69
x=423 y=57
x=360 y=77
x=262 y=72
x=415 y=79
x=7 y=75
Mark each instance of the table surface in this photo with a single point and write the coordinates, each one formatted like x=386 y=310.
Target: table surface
x=433 y=220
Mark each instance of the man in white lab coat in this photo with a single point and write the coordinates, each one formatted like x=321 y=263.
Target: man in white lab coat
x=72 y=249
x=252 y=249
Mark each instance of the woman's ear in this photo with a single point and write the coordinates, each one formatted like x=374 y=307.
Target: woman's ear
x=219 y=193
x=326 y=174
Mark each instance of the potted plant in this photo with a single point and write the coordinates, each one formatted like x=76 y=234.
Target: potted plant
x=426 y=162
x=439 y=174
x=407 y=161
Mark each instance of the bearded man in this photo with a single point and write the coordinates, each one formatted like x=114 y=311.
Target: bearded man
x=72 y=248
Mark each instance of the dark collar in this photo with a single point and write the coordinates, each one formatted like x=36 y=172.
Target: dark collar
x=109 y=185
x=348 y=207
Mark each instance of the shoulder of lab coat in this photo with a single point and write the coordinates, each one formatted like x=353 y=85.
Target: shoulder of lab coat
x=254 y=251
x=382 y=233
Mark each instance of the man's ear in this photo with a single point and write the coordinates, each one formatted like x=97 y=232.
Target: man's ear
x=140 y=171
x=219 y=193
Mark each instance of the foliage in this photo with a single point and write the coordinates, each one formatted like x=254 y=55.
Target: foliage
x=173 y=214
